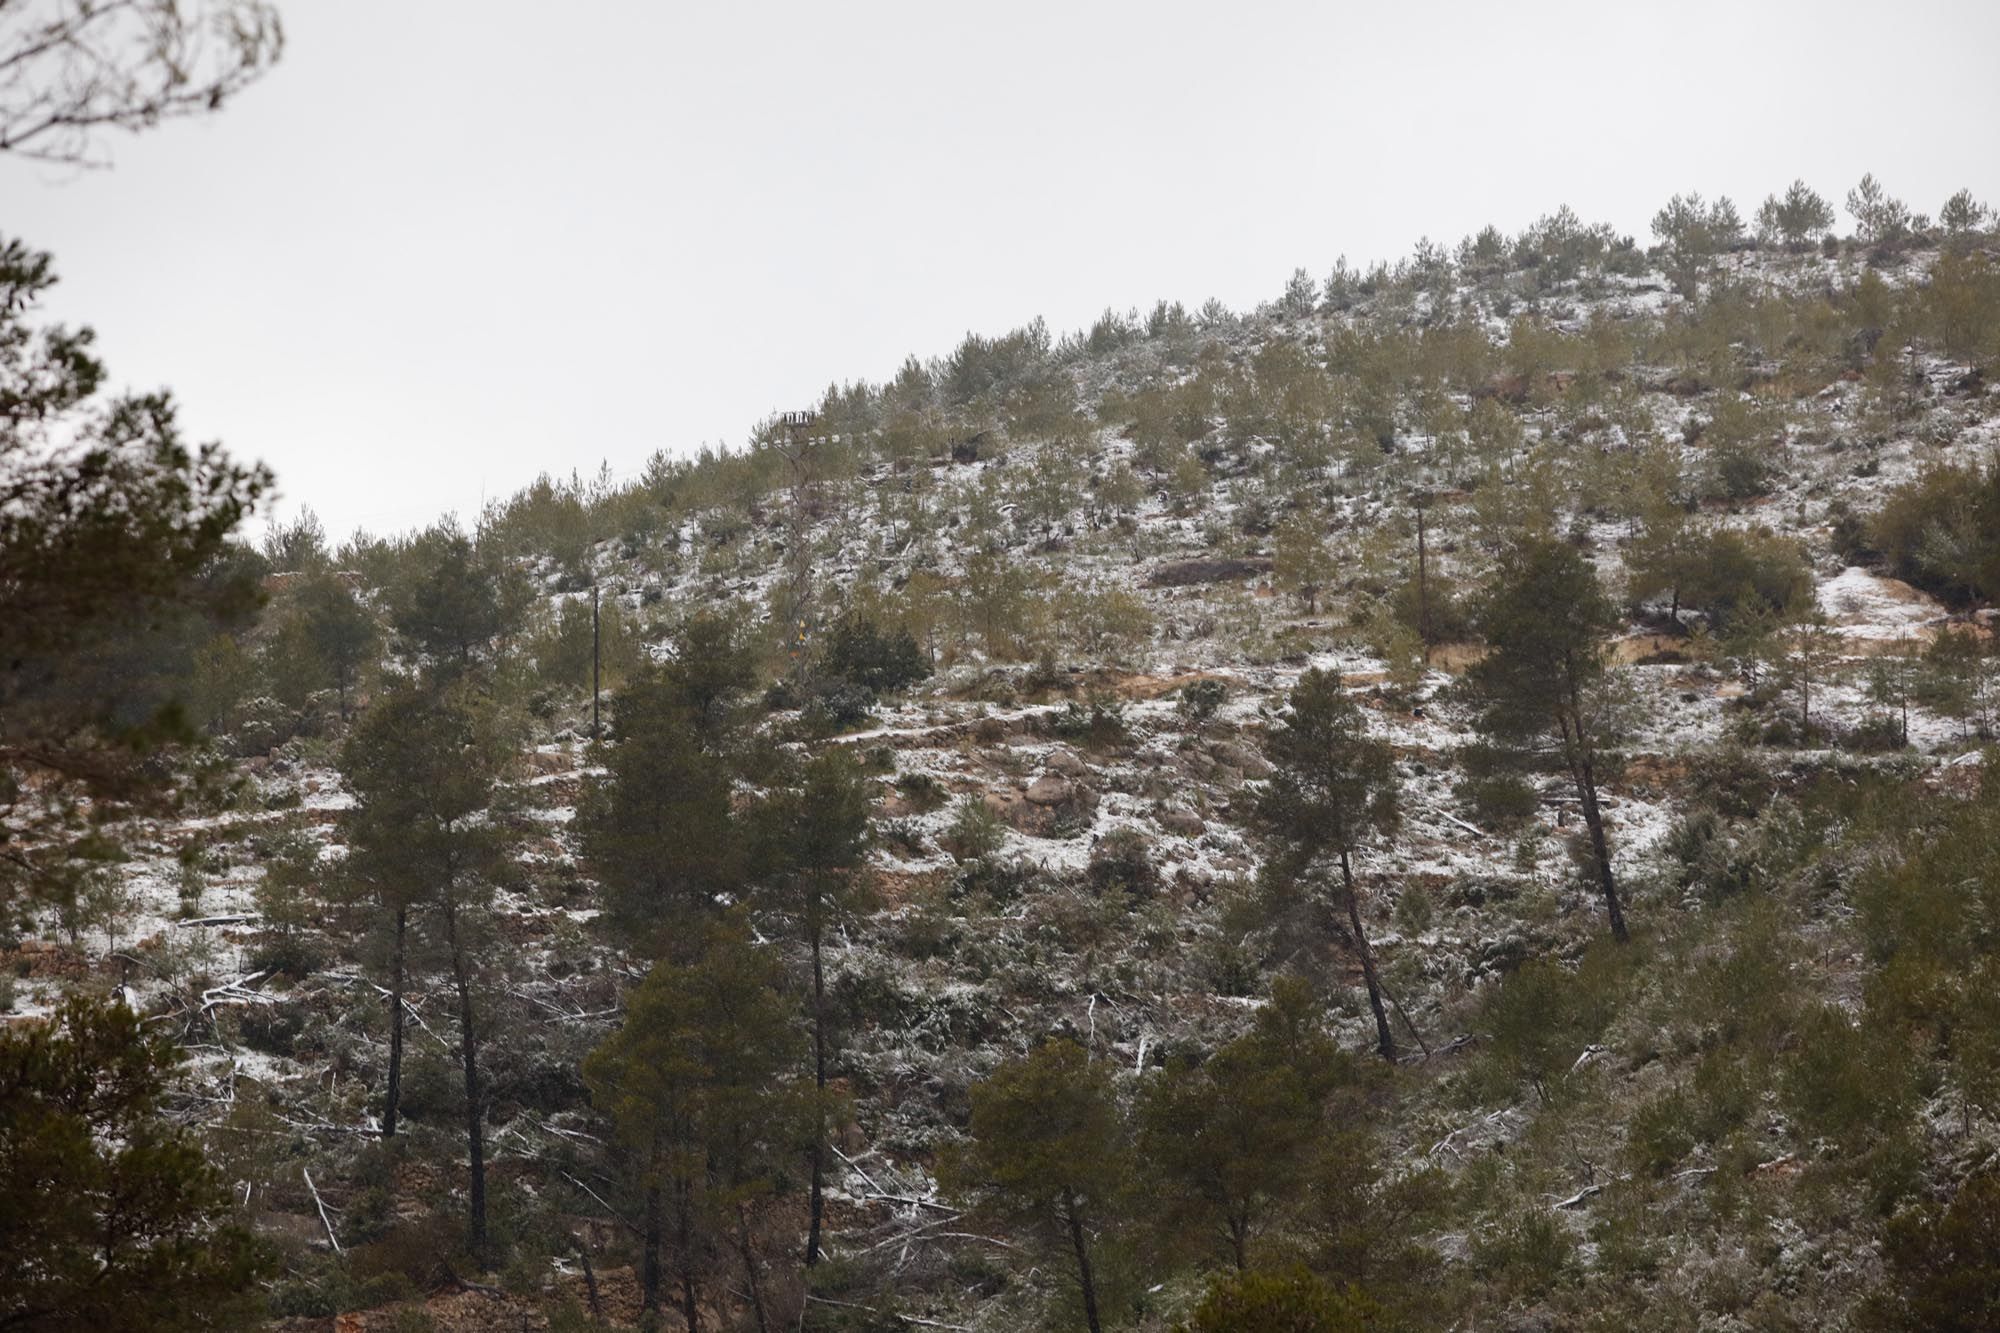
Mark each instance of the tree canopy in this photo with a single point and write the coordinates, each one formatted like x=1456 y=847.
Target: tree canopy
x=110 y=1219
x=72 y=69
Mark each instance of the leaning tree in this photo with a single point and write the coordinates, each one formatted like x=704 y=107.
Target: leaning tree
x=1334 y=793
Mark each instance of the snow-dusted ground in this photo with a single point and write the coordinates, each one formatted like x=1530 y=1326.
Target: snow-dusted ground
x=1862 y=605
x=988 y=729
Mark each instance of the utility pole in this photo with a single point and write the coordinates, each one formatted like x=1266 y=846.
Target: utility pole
x=800 y=456
x=1423 y=581
x=596 y=660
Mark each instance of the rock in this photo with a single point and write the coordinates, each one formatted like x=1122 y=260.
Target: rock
x=1197 y=765
x=1242 y=758
x=1066 y=763
x=1050 y=805
x=1052 y=789
x=1184 y=822
x=1008 y=805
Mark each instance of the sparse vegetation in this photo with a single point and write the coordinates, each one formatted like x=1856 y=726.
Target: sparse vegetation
x=1009 y=829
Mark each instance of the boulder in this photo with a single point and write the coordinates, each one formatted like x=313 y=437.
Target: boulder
x=1243 y=759
x=1052 y=789
x=1050 y=805
x=1184 y=822
x=1066 y=763
x=1008 y=806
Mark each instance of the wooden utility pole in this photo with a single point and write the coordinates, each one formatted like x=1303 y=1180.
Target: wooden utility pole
x=1423 y=585
x=800 y=456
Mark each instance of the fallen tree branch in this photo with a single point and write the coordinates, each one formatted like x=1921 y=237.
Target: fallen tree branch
x=869 y=1309
x=409 y=1009
x=234 y=992
x=575 y=1134
x=320 y=1204
x=913 y=1202
x=1473 y=829
x=855 y=1167
x=466 y=1284
x=1444 y=1143
x=616 y=1216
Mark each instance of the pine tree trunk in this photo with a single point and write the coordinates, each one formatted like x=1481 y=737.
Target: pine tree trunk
x=1423 y=588
x=1600 y=848
x=649 y=1252
x=393 y=1099
x=1576 y=749
x=1089 y=1284
x=475 y=1137
x=690 y=1298
x=1601 y=853
x=590 y=1284
x=750 y=1275
x=1385 y=1041
x=817 y=1202
x=684 y=1234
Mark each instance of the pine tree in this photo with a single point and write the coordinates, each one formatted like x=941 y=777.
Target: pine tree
x=1048 y=1148
x=423 y=764
x=810 y=841
x=1302 y=564
x=1801 y=216
x=1943 y=1263
x=297 y=547
x=657 y=829
x=1878 y=219
x=454 y=598
x=697 y=1080
x=1963 y=217
x=1335 y=792
x=1228 y=1140
x=711 y=669
x=343 y=635
x=1546 y=624
x=116 y=569
x=110 y=1219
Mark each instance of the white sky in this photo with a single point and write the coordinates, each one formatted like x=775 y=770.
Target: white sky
x=447 y=245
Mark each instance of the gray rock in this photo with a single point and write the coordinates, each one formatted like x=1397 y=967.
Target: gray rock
x=1243 y=759
x=1051 y=789
x=1066 y=763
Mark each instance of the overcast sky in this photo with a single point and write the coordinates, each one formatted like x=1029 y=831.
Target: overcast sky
x=448 y=245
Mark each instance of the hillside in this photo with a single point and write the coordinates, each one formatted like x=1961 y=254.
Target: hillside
x=1060 y=601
